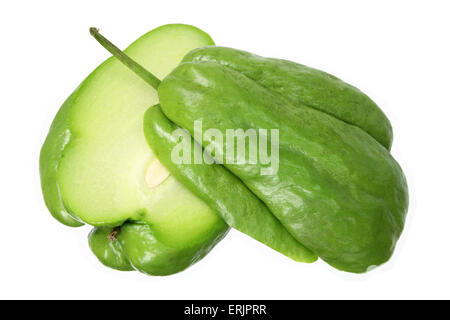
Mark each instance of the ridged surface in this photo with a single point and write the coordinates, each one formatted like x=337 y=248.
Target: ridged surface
x=338 y=191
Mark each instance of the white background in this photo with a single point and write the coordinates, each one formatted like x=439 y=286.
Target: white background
x=397 y=52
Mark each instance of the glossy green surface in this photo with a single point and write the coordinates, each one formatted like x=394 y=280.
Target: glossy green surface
x=222 y=191
x=95 y=160
x=337 y=191
x=107 y=250
x=51 y=154
x=137 y=247
x=303 y=85
x=153 y=257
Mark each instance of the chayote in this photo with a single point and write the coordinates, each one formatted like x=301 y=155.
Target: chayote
x=337 y=190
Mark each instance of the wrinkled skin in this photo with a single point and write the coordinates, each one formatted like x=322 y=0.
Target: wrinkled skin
x=337 y=191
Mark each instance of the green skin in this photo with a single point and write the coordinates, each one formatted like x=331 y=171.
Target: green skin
x=351 y=226
x=337 y=191
x=108 y=249
x=138 y=248
x=222 y=191
x=94 y=161
x=303 y=85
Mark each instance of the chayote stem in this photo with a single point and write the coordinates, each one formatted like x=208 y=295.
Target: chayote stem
x=144 y=74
